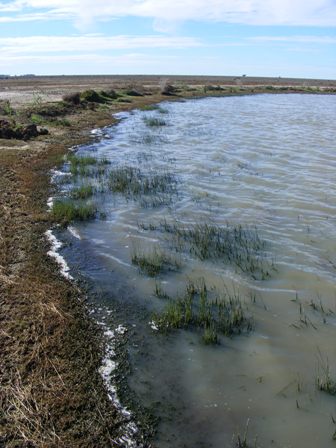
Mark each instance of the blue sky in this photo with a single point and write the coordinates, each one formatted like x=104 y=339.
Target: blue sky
x=294 y=38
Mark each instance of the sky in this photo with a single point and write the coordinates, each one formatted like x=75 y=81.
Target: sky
x=287 y=38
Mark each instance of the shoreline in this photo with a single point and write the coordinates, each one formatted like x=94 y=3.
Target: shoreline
x=52 y=393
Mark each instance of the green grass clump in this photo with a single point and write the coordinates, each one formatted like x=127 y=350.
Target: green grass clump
x=156 y=107
x=242 y=440
x=163 y=111
x=67 y=210
x=159 y=200
x=104 y=161
x=155 y=262
x=6 y=108
x=154 y=122
x=133 y=183
x=237 y=245
x=38 y=119
x=160 y=293
x=148 y=139
x=82 y=192
x=210 y=336
x=61 y=122
x=324 y=381
x=109 y=94
x=199 y=310
x=92 y=96
x=80 y=165
x=149 y=107
x=124 y=180
x=124 y=100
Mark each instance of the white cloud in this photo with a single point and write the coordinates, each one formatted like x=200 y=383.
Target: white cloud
x=11 y=6
x=35 y=17
x=253 y=12
x=90 y=43
x=295 y=39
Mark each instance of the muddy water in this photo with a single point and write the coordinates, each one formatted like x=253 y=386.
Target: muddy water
x=267 y=161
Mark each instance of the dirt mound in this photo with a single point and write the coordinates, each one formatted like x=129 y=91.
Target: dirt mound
x=10 y=130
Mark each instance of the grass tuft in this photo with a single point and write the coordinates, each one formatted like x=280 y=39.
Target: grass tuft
x=133 y=183
x=67 y=210
x=160 y=292
x=236 y=245
x=198 y=310
x=210 y=336
x=155 y=262
x=79 y=164
x=154 y=122
x=82 y=192
x=149 y=107
x=324 y=381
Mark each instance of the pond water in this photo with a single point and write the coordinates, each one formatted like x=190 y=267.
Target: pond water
x=261 y=165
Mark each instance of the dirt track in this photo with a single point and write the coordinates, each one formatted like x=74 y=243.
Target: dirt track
x=51 y=392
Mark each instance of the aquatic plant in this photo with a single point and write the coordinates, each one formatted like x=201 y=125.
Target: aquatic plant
x=304 y=320
x=241 y=441
x=68 y=210
x=133 y=183
x=79 y=165
x=149 y=107
x=159 y=200
x=324 y=381
x=199 y=310
x=154 y=262
x=162 y=110
x=148 y=139
x=317 y=305
x=154 y=122
x=210 y=335
x=237 y=245
x=103 y=161
x=160 y=293
x=82 y=192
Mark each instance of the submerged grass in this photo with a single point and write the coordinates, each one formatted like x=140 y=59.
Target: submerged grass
x=237 y=245
x=213 y=314
x=154 y=122
x=154 y=107
x=81 y=165
x=133 y=183
x=149 y=107
x=160 y=292
x=324 y=380
x=242 y=441
x=159 y=200
x=82 y=192
x=154 y=262
x=68 y=210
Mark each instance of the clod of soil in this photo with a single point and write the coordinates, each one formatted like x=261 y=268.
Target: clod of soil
x=10 y=130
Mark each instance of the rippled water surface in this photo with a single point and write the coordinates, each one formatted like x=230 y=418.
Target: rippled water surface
x=266 y=162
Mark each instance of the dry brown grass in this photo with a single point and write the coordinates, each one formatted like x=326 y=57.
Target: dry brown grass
x=51 y=394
